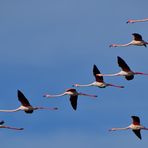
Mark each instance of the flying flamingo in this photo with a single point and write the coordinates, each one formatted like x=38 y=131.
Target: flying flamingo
x=73 y=96
x=99 y=80
x=8 y=127
x=134 y=21
x=136 y=127
x=137 y=40
x=126 y=71
x=25 y=105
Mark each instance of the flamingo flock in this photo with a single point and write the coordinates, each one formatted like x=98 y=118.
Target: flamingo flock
x=99 y=82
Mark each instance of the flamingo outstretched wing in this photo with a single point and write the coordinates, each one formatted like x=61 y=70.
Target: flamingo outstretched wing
x=137 y=133
x=137 y=37
x=136 y=120
x=73 y=101
x=95 y=72
x=23 y=99
x=123 y=64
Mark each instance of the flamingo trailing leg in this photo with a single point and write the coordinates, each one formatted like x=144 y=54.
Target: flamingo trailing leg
x=9 y=127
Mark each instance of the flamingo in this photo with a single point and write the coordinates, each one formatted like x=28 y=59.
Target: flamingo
x=99 y=80
x=8 y=127
x=137 y=40
x=73 y=96
x=25 y=105
x=134 y=21
x=136 y=127
x=126 y=71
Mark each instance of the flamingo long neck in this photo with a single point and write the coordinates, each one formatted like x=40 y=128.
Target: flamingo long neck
x=116 y=74
x=83 y=85
x=52 y=96
x=13 y=110
x=122 y=128
x=123 y=45
x=142 y=20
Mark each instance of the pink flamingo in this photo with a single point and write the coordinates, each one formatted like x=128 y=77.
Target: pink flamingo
x=134 y=21
x=9 y=127
x=25 y=105
x=136 y=127
x=137 y=40
x=99 y=80
x=126 y=71
x=73 y=96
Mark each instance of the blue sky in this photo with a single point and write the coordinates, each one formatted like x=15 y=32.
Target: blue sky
x=48 y=45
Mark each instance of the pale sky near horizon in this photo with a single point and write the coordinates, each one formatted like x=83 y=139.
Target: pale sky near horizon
x=48 y=45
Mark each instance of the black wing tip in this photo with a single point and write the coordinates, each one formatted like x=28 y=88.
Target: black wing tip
x=74 y=108
x=118 y=57
x=19 y=92
x=135 y=119
x=137 y=133
x=134 y=116
x=2 y=122
x=95 y=70
x=135 y=33
x=94 y=66
x=140 y=138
